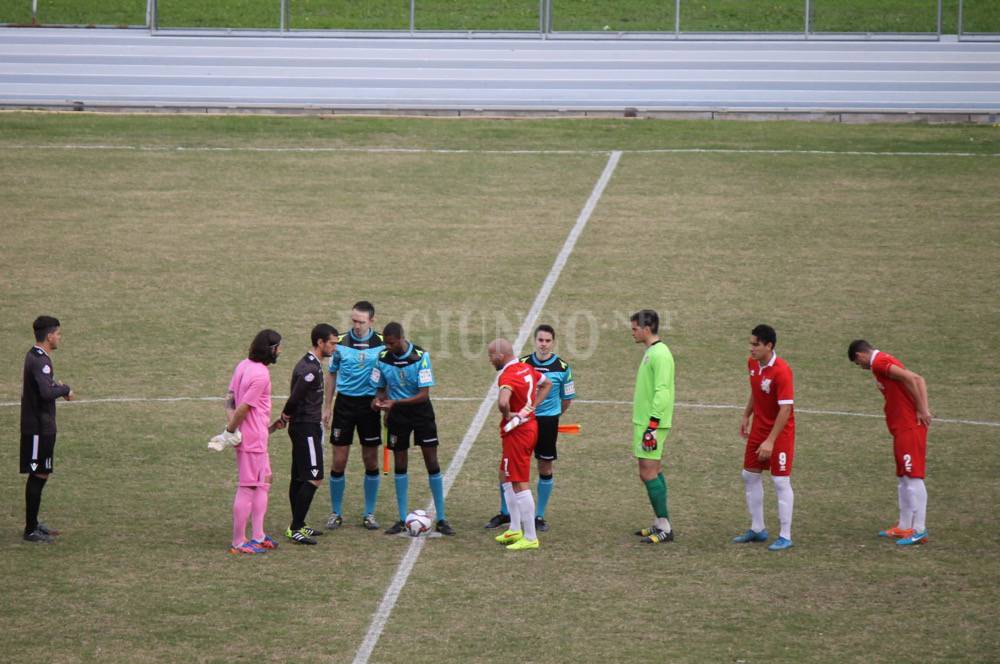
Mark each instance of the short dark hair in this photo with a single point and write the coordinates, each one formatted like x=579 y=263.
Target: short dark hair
x=647 y=318
x=44 y=326
x=365 y=306
x=858 y=346
x=393 y=329
x=264 y=347
x=545 y=328
x=765 y=334
x=322 y=332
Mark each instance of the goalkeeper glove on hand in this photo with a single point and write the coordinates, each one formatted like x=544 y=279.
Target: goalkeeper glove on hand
x=512 y=423
x=225 y=439
x=649 y=437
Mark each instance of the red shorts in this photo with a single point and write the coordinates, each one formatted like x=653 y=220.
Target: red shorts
x=254 y=468
x=518 y=446
x=782 y=455
x=910 y=449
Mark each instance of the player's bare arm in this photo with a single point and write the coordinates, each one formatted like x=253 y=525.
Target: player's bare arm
x=784 y=412
x=745 y=420
x=917 y=387
x=236 y=419
x=566 y=403
x=503 y=402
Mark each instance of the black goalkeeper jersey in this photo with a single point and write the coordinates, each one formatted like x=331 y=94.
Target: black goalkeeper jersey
x=305 y=400
x=39 y=393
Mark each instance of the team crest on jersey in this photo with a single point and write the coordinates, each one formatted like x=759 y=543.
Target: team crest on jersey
x=765 y=386
x=46 y=369
x=310 y=377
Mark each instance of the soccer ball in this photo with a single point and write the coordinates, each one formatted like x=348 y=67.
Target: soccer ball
x=417 y=523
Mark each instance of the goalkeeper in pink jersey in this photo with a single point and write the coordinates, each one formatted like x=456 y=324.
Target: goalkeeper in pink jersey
x=248 y=407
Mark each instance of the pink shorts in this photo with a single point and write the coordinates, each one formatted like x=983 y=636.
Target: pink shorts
x=254 y=468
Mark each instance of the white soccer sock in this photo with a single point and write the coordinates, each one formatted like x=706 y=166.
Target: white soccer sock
x=753 y=483
x=905 y=510
x=526 y=505
x=918 y=502
x=786 y=500
x=512 y=507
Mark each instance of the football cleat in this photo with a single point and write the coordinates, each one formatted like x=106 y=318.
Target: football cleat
x=444 y=528
x=44 y=529
x=915 y=538
x=896 y=532
x=334 y=521
x=523 y=545
x=509 y=536
x=646 y=532
x=247 y=548
x=396 y=528
x=311 y=532
x=370 y=523
x=266 y=543
x=751 y=536
x=658 y=536
x=299 y=536
x=780 y=544
x=541 y=525
x=497 y=521
x=36 y=536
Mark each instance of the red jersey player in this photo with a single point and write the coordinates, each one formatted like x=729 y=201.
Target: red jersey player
x=521 y=387
x=908 y=416
x=770 y=438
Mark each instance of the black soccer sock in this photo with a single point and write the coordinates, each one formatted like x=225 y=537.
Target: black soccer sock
x=300 y=507
x=293 y=492
x=32 y=502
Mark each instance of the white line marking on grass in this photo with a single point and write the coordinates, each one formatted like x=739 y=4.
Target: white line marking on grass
x=597 y=402
x=384 y=610
x=394 y=150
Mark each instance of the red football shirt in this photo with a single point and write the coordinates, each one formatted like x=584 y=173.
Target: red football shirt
x=772 y=387
x=522 y=380
x=900 y=409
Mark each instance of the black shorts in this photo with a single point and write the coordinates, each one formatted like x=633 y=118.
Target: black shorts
x=418 y=421
x=355 y=412
x=548 y=432
x=36 y=452
x=307 y=450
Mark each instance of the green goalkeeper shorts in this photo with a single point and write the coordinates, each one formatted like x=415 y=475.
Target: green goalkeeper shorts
x=638 y=432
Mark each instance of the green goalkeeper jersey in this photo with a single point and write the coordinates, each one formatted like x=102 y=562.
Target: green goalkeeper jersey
x=654 y=387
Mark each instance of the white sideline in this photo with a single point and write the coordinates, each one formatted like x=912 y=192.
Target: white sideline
x=394 y=150
x=599 y=402
x=384 y=610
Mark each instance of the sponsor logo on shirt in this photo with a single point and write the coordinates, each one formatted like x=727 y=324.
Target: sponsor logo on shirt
x=425 y=376
x=569 y=389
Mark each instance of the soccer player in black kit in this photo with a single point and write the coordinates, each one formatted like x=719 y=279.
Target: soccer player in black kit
x=38 y=423
x=303 y=414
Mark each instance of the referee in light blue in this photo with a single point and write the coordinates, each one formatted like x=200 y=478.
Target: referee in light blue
x=547 y=413
x=350 y=367
x=403 y=377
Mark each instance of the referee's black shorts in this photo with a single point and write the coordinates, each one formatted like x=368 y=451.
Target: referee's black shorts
x=37 y=450
x=307 y=450
x=418 y=421
x=548 y=432
x=350 y=413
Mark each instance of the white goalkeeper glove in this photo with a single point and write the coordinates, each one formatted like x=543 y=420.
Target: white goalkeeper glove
x=224 y=440
x=519 y=419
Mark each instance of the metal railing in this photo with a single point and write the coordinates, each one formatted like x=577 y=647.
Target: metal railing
x=546 y=29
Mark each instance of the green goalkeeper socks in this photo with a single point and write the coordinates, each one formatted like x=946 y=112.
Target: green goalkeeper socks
x=657 y=490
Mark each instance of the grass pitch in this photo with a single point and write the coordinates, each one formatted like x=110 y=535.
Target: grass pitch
x=162 y=263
